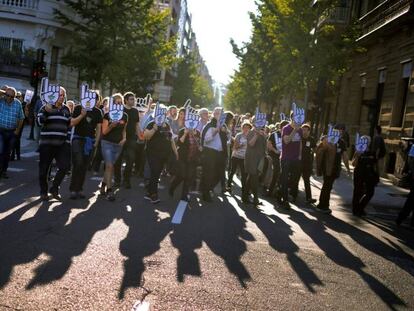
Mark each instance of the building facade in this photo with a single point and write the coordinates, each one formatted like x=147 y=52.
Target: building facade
x=28 y=25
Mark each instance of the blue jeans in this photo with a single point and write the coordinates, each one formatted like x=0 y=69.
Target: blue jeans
x=7 y=140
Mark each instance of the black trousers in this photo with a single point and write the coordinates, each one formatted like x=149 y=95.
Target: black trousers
x=127 y=153
x=306 y=174
x=276 y=173
x=80 y=163
x=186 y=174
x=237 y=163
x=16 y=147
x=364 y=189
x=47 y=153
x=211 y=170
x=156 y=165
x=325 y=195
x=7 y=139
x=290 y=178
x=139 y=159
x=408 y=207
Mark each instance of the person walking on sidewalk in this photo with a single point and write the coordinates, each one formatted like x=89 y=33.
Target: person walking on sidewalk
x=129 y=148
x=366 y=178
x=11 y=123
x=85 y=139
x=308 y=147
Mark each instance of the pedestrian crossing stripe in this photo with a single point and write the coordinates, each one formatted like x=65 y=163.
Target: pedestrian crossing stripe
x=179 y=213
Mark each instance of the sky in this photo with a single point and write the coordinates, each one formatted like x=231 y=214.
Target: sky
x=214 y=23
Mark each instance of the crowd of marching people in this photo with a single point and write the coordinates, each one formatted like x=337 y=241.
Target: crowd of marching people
x=198 y=148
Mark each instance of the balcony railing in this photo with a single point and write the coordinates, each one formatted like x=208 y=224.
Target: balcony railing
x=20 y=4
x=337 y=15
x=383 y=14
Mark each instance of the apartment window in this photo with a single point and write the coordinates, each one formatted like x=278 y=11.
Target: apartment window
x=11 y=44
x=401 y=102
x=54 y=63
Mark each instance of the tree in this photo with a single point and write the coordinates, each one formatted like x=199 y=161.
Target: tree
x=120 y=43
x=189 y=84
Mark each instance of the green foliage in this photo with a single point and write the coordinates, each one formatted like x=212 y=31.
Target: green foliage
x=288 y=50
x=117 y=43
x=189 y=84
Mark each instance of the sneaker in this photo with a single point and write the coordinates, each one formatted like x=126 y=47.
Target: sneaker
x=73 y=195
x=155 y=199
x=324 y=210
x=56 y=195
x=110 y=195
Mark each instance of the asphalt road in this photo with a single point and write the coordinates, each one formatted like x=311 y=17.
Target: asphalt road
x=93 y=254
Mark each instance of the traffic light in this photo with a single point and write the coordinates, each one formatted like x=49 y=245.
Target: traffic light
x=38 y=72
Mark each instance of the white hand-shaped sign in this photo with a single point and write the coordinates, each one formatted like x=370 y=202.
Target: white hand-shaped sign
x=191 y=116
x=160 y=114
x=147 y=100
x=298 y=114
x=87 y=97
x=283 y=117
x=333 y=135
x=260 y=119
x=49 y=93
x=361 y=143
x=116 y=111
x=278 y=141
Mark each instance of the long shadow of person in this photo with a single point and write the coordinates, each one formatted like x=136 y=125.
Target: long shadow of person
x=371 y=243
x=20 y=240
x=186 y=237
x=146 y=231
x=278 y=235
x=224 y=232
x=335 y=251
x=66 y=242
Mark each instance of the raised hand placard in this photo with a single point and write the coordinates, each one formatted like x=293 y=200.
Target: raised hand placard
x=260 y=119
x=160 y=114
x=116 y=111
x=333 y=135
x=361 y=143
x=191 y=116
x=87 y=97
x=283 y=117
x=278 y=142
x=49 y=93
x=298 y=114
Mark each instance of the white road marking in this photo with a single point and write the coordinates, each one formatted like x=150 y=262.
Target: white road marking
x=31 y=154
x=15 y=169
x=179 y=213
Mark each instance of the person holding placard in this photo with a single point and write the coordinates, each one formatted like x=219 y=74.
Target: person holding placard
x=129 y=148
x=86 y=136
x=160 y=145
x=113 y=138
x=54 y=119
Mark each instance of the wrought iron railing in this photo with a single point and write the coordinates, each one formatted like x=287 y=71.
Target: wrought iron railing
x=337 y=15
x=20 y=4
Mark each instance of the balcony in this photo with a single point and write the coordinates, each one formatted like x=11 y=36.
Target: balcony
x=337 y=15
x=385 y=13
x=25 y=7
